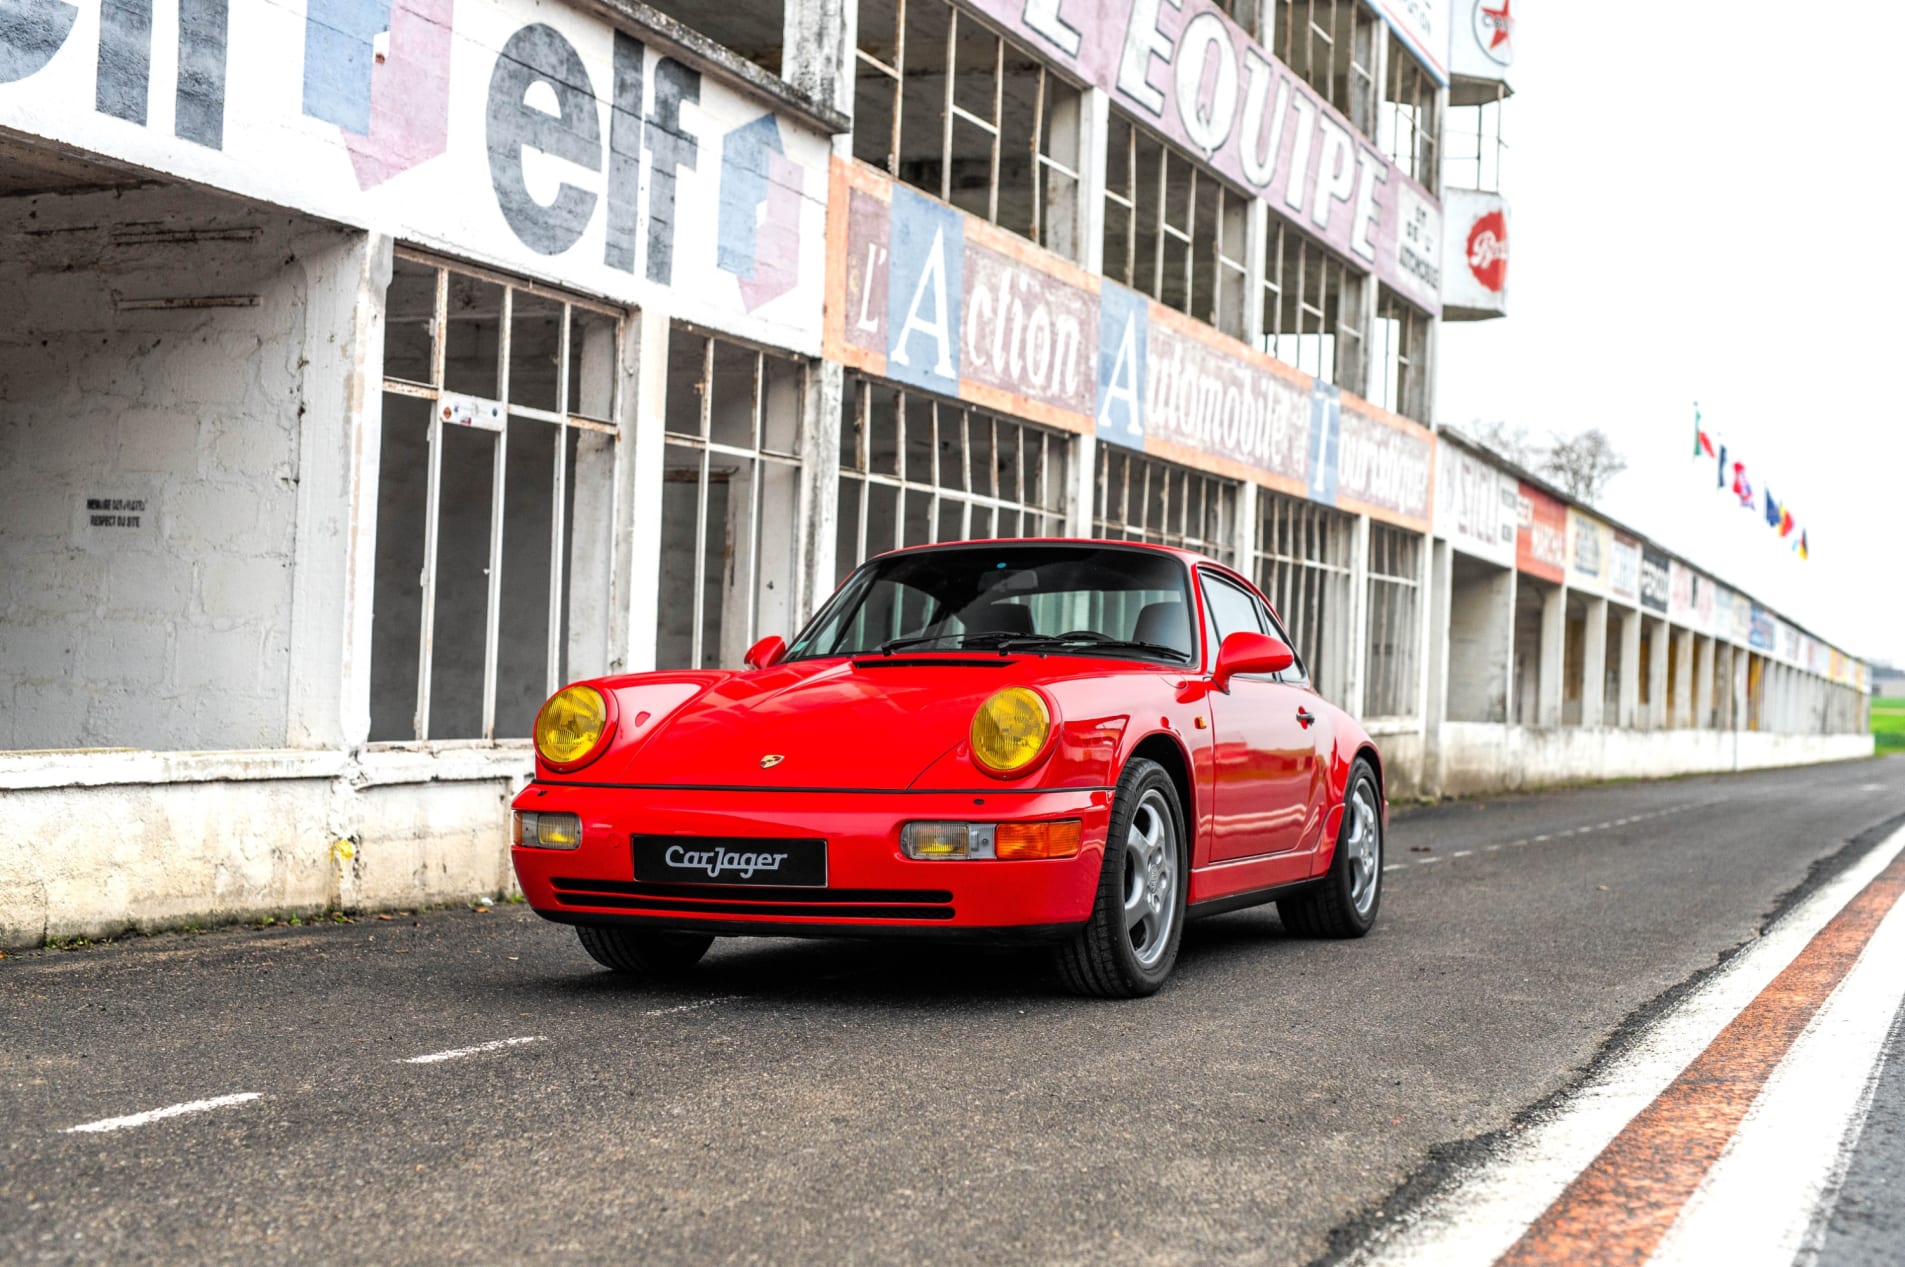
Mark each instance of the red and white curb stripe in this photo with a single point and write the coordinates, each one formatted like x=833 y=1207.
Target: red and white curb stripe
x=1720 y=1134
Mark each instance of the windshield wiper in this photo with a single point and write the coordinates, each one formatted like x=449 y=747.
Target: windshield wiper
x=1095 y=640
x=990 y=638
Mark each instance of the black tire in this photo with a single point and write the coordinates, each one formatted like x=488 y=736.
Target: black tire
x=1101 y=959
x=645 y=952
x=1331 y=908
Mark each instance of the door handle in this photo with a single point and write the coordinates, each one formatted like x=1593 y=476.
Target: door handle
x=1304 y=717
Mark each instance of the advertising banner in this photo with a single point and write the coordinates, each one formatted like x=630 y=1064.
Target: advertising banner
x=1690 y=597
x=533 y=137
x=1761 y=634
x=1422 y=25
x=1477 y=505
x=1541 y=536
x=1723 y=599
x=941 y=301
x=1590 y=552
x=1474 y=254
x=1186 y=70
x=1624 y=573
x=1654 y=584
x=1482 y=40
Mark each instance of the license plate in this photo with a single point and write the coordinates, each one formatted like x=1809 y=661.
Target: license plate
x=731 y=860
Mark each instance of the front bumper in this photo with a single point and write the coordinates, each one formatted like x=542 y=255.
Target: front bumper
x=872 y=887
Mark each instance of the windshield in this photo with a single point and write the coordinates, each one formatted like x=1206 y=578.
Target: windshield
x=1049 y=598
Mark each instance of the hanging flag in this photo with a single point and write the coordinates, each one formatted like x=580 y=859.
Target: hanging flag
x=1702 y=442
x=1720 y=474
x=1785 y=522
x=1805 y=550
x=1772 y=510
x=1742 y=486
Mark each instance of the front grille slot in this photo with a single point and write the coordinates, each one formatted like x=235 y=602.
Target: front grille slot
x=716 y=899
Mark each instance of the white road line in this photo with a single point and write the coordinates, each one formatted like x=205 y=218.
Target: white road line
x=1602 y=826
x=1543 y=837
x=1484 y=1211
x=691 y=1007
x=159 y=1115
x=457 y=1053
x=1461 y=853
x=1758 y=1201
x=1491 y=848
x=1394 y=866
x=1423 y=862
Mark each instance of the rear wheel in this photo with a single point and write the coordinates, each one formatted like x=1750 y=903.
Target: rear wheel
x=1344 y=902
x=643 y=951
x=1129 y=945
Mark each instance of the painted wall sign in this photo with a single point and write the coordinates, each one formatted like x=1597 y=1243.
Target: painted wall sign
x=1742 y=632
x=535 y=137
x=1541 y=534
x=1423 y=25
x=1185 y=69
x=1477 y=505
x=1623 y=575
x=1590 y=552
x=1482 y=39
x=938 y=300
x=1761 y=634
x=1475 y=246
x=1654 y=583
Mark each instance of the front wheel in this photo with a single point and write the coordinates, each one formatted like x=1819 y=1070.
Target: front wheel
x=643 y=951
x=1127 y=948
x=1344 y=902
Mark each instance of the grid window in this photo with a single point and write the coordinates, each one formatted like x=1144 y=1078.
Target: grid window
x=1146 y=499
x=1173 y=231
x=1392 y=664
x=497 y=426
x=1474 y=149
x=1408 y=125
x=1331 y=45
x=1313 y=309
x=731 y=494
x=1303 y=568
x=946 y=105
x=1400 y=349
x=916 y=470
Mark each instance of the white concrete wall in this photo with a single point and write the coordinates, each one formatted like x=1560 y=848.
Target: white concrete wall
x=116 y=384
x=1483 y=758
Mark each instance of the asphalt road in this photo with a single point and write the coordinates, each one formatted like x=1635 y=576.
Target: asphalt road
x=846 y=1102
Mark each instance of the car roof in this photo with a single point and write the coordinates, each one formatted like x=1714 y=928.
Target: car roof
x=1187 y=556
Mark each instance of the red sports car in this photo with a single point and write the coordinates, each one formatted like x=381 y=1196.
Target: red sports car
x=1077 y=742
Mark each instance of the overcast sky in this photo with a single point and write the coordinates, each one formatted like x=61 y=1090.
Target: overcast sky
x=1704 y=207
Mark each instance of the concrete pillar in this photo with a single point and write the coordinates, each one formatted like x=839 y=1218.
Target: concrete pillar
x=818 y=534
x=1094 y=126
x=1594 y=663
x=1683 y=712
x=1507 y=670
x=646 y=454
x=1657 y=675
x=1256 y=251
x=1628 y=715
x=340 y=441
x=1243 y=533
x=817 y=42
x=1553 y=661
x=1081 y=497
x=1435 y=661
x=1703 y=682
x=1359 y=617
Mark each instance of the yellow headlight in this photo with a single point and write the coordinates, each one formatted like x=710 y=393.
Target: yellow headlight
x=1010 y=729
x=570 y=724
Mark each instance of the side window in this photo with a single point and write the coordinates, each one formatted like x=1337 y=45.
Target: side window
x=1230 y=609
x=1296 y=673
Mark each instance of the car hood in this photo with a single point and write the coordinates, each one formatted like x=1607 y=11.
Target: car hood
x=876 y=723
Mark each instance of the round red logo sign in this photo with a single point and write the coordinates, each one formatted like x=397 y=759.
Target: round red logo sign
x=1488 y=250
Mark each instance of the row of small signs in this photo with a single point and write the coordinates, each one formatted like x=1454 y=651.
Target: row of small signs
x=1486 y=512
x=931 y=298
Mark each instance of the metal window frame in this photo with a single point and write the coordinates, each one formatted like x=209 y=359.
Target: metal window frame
x=1410 y=123
x=1303 y=561
x=1306 y=34
x=758 y=455
x=563 y=419
x=1474 y=147
x=1404 y=377
x=1180 y=489
x=1200 y=259
x=1393 y=626
x=1045 y=500
x=1328 y=305
x=950 y=112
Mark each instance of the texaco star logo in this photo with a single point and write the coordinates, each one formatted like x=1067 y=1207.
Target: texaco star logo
x=1495 y=30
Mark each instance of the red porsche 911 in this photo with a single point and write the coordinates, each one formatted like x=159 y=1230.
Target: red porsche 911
x=1076 y=742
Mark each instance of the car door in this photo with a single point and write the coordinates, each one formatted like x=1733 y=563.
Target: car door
x=1261 y=750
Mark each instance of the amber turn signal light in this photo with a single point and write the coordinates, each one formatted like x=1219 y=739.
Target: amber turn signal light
x=1038 y=840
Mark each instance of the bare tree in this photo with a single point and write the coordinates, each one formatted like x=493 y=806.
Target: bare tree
x=1583 y=463
x=1513 y=443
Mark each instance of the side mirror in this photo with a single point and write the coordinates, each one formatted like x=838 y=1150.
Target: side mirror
x=1246 y=652
x=766 y=653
